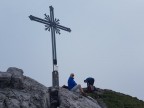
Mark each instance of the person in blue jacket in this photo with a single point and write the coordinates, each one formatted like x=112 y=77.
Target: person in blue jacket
x=73 y=86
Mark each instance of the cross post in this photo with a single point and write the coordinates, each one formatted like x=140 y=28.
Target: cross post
x=52 y=24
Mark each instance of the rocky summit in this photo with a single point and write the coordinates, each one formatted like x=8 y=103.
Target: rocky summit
x=19 y=91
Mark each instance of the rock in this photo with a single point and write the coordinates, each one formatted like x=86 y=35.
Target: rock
x=75 y=100
x=16 y=78
x=5 y=79
x=19 y=91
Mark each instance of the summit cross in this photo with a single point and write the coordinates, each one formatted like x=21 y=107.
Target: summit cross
x=52 y=24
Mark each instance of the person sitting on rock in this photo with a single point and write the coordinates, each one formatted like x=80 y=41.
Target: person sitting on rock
x=90 y=84
x=73 y=86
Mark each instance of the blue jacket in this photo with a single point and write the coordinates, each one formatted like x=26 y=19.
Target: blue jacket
x=71 y=83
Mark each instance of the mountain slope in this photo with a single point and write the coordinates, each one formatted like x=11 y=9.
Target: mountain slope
x=114 y=99
x=19 y=91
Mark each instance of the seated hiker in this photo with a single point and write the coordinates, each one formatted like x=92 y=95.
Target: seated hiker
x=73 y=86
x=90 y=84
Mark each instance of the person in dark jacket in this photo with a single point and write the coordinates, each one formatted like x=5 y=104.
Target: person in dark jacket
x=89 y=81
x=90 y=84
x=73 y=86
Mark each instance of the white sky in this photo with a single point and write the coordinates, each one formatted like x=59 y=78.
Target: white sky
x=106 y=42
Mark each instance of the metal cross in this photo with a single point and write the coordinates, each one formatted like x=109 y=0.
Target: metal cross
x=52 y=24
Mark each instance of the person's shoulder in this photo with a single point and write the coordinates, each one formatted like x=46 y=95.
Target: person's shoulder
x=90 y=78
x=70 y=78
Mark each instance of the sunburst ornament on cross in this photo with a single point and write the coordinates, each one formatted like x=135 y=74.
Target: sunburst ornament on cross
x=48 y=26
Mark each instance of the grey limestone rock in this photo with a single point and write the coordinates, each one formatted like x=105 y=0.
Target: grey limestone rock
x=19 y=91
x=75 y=100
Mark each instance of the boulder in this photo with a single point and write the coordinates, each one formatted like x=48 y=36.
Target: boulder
x=76 y=100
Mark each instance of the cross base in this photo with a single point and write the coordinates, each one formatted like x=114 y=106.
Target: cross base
x=54 y=98
x=55 y=79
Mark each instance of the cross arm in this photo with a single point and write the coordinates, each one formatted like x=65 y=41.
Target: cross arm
x=33 y=18
x=63 y=28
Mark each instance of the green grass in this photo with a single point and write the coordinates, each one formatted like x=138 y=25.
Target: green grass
x=117 y=100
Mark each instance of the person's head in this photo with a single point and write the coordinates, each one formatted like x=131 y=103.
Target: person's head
x=72 y=75
x=85 y=81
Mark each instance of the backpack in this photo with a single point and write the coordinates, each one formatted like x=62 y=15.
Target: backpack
x=64 y=86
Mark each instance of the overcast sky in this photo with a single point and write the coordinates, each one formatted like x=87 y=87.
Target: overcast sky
x=106 y=42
